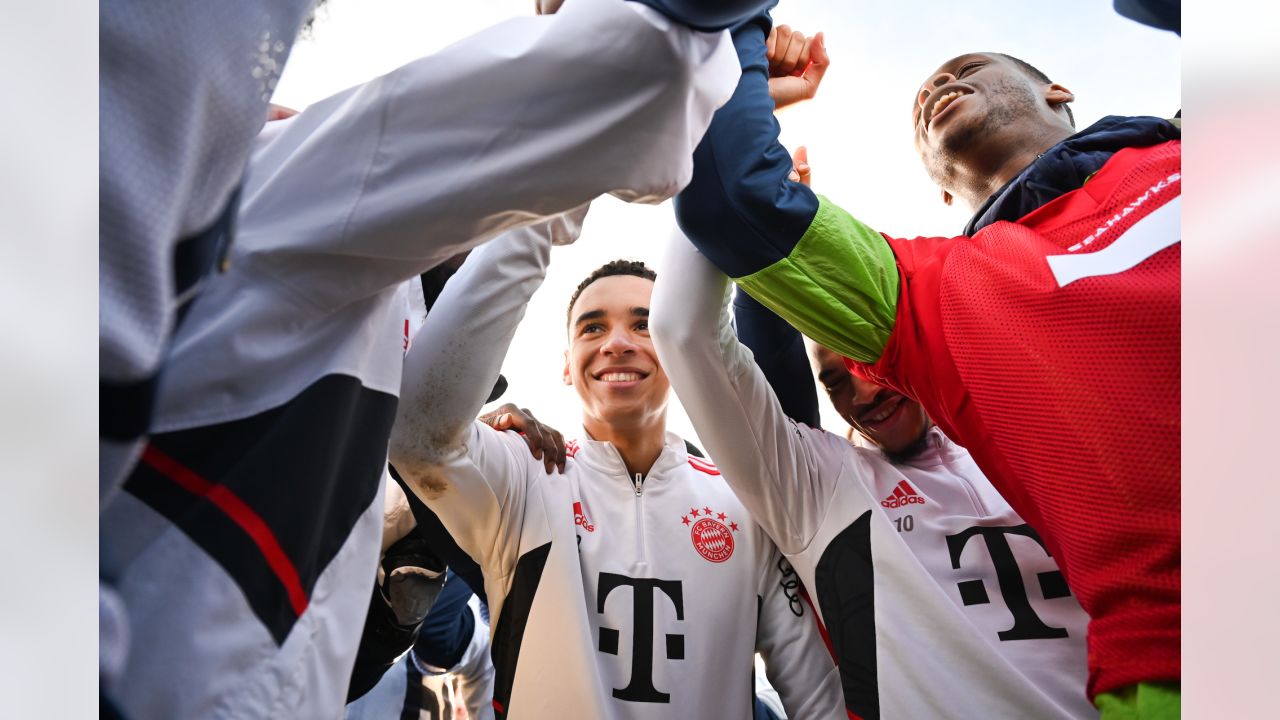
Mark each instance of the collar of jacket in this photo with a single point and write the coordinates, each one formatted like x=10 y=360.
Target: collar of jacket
x=1065 y=166
x=603 y=457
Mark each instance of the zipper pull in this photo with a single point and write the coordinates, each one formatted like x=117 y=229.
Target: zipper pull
x=638 y=482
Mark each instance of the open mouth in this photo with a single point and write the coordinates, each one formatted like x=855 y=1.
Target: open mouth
x=882 y=413
x=939 y=105
x=619 y=375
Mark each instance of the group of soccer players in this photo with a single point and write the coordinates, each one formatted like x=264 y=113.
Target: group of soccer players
x=278 y=438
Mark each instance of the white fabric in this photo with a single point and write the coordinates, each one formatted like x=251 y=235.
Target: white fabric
x=936 y=657
x=182 y=89
x=499 y=504
x=343 y=204
x=206 y=655
x=366 y=189
x=397 y=516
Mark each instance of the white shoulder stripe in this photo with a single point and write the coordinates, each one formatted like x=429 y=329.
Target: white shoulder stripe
x=1153 y=233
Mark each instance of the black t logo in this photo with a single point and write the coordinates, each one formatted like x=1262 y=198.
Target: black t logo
x=1027 y=625
x=640 y=688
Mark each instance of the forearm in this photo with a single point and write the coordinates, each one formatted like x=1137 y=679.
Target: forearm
x=779 y=351
x=762 y=455
x=522 y=121
x=455 y=358
x=826 y=273
x=740 y=209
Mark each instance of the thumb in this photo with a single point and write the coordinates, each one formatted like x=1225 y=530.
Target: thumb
x=819 y=61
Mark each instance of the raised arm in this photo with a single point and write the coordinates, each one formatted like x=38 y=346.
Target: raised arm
x=825 y=272
x=784 y=473
x=779 y=351
x=467 y=473
x=519 y=122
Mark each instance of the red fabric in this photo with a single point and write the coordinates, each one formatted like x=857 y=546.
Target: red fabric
x=241 y=514
x=1068 y=397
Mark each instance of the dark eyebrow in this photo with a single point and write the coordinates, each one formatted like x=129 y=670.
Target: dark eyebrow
x=589 y=315
x=640 y=311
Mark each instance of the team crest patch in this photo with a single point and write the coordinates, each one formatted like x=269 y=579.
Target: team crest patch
x=711 y=532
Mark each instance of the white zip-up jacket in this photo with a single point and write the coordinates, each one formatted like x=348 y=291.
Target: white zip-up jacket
x=612 y=596
x=258 y=499
x=940 y=602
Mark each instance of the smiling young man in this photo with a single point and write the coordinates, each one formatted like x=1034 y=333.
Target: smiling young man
x=633 y=585
x=915 y=564
x=1045 y=339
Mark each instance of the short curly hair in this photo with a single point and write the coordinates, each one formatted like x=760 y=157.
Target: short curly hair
x=612 y=268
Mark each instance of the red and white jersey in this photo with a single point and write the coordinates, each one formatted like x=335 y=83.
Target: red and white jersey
x=939 y=601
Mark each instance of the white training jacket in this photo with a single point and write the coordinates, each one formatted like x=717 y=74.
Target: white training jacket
x=245 y=541
x=612 y=596
x=940 y=602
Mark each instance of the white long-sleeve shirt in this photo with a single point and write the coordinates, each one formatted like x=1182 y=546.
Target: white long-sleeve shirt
x=257 y=505
x=613 y=596
x=939 y=600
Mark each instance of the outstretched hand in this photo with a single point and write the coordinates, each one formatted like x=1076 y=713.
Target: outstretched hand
x=796 y=65
x=545 y=442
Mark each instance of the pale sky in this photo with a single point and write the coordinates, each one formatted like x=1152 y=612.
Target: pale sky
x=857 y=129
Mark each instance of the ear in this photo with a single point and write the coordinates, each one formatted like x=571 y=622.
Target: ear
x=1056 y=95
x=568 y=379
x=946 y=198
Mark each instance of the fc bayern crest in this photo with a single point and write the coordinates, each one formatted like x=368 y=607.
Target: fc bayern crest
x=712 y=537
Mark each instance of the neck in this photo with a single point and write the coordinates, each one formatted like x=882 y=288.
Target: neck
x=978 y=182
x=639 y=444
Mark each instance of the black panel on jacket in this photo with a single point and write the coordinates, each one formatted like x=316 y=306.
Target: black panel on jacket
x=846 y=595
x=509 y=632
x=298 y=476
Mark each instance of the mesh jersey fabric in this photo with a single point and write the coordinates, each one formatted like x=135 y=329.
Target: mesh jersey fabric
x=1067 y=395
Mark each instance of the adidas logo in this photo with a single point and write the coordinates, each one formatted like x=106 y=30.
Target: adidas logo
x=902 y=496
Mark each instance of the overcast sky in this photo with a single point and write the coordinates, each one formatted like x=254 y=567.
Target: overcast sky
x=857 y=130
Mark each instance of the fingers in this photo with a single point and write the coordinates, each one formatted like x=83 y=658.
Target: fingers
x=545 y=443
x=787 y=51
x=800 y=170
x=819 y=62
x=791 y=58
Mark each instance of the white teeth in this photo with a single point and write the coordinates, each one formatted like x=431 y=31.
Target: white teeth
x=620 y=377
x=883 y=414
x=943 y=101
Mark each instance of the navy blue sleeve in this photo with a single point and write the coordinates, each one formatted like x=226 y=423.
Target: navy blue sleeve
x=1160 y=14
x=709 y=15
x=740 y=210
x=447 y=629
x=780 y=353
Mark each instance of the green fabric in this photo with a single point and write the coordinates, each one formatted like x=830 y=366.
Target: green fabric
x=1144 y=701
x=839 y=285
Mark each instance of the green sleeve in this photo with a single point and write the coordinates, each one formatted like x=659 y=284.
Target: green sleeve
x=839 y=285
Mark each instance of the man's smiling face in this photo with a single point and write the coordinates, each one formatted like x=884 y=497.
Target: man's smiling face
x=892 y=421
x=611 y=362
x=966 y=112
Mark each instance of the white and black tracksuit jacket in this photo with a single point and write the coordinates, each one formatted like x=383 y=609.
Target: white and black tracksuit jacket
x=940 y=602
x=245 y=541
x=612 y=596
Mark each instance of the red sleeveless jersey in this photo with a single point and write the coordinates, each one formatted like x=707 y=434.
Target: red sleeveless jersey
x=1050 y=348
